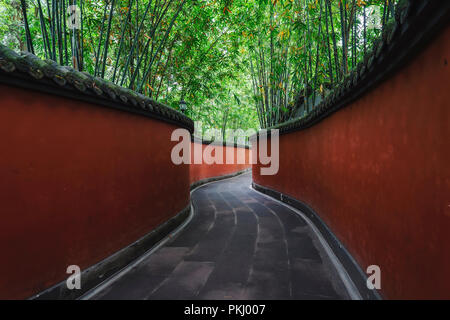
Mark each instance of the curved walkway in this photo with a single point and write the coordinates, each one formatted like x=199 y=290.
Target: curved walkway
x=240 y=244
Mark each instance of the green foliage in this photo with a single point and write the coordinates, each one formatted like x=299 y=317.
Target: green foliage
x=237 y=63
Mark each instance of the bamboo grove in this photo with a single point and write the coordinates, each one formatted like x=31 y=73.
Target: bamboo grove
x=305 y=48
x=237 y=63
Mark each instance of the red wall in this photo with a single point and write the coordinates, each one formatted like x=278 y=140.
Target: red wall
x=378 y=173
x=78 y=183
x=204 y=171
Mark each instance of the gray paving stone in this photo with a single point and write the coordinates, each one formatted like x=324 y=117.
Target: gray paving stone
x=239 y=245
x=185 y=282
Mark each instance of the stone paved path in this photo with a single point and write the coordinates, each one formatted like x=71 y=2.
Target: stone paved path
x=239 y=245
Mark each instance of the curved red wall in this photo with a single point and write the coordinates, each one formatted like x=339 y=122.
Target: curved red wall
x=203 y=171
x=78 y=183
x=378 y=173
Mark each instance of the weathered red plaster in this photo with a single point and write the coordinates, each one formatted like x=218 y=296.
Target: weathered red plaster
x=78 y=183
x=204 y=171
x=378 y=173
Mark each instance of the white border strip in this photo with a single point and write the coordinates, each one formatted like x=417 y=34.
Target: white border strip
x=352 y=290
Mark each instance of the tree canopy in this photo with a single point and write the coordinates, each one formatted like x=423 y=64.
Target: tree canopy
x=237 y=63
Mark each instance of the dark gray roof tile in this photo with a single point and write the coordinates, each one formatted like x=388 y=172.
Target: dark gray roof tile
x=27 y=70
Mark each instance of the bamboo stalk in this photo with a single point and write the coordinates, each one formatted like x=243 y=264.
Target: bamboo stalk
x=139 y=89
x=317 y=55
x=138 y=31
x=100 y=42
x=28 y=39
x=108 y=34
x=122 y=36
x=44 y=31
